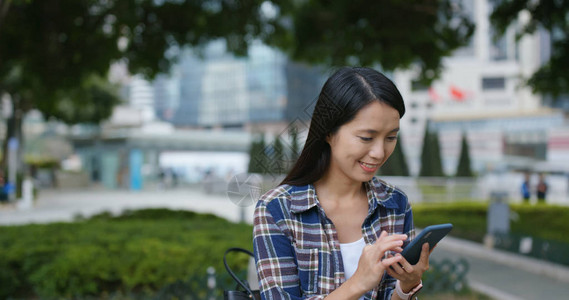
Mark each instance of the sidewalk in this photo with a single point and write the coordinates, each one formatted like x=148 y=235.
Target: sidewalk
x=501 y=275
x=504 y=275
x=63 y=206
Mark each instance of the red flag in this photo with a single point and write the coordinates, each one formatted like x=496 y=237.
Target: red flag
x=433 y=95
x=457 y=94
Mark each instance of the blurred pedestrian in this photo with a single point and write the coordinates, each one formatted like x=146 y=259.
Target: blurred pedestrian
x=526 y=188
x=541 y=189
x=331 y=228
x=3 y=190
x=174 y=178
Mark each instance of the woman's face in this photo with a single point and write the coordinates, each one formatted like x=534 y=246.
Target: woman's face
x=362 y=145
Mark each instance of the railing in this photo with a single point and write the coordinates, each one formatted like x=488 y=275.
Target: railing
x=446 y=276
x=549 y=250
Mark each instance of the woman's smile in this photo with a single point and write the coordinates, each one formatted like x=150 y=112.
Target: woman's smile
x=371 y=168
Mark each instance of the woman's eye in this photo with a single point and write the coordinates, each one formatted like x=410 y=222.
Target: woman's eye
x=365 y=139
x=392 y=138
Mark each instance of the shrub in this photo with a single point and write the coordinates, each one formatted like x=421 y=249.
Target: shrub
x=469 y=219
x=136 y=252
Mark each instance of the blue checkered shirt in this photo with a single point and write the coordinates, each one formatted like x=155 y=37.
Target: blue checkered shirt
x=297 y=251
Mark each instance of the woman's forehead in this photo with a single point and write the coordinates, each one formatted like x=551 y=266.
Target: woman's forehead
x=376 y=114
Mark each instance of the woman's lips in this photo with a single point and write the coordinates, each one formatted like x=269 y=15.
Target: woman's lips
x=369 y=167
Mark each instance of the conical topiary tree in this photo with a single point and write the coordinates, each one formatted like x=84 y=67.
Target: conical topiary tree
x=436 y=155
x=294 y=147
x=277 y=158
x=257 y=157
x=396 y=165
x=463 y=169
x=431 y=164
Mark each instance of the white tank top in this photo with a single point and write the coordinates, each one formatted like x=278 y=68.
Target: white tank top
x=351 y=253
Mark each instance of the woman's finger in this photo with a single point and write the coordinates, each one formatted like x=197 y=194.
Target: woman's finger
x=431 y=250
x=387 y=262
x=424 y=258
x=392 y=273
x=392 y=245
x=384 y=236
x=405 y=265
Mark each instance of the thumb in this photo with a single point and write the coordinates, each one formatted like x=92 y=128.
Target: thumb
x=424 y=258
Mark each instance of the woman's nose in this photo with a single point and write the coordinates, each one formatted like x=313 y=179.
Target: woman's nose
x=377 y=152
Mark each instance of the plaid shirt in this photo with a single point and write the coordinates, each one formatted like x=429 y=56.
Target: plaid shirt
x=296 y=246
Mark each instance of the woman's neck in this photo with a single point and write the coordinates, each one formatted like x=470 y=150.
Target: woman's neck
x=338 y=189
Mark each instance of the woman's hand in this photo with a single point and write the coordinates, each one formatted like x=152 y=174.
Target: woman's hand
x=408 y=275
x=372 y=266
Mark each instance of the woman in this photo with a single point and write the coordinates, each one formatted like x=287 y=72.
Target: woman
x=332 y=230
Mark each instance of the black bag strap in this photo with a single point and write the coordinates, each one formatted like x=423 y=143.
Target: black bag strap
x=243 y=285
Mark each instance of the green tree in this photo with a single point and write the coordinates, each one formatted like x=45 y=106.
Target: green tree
x=294 y=147
x=278 y=165
x=49 y=49
x=254 y=148
x=344 y=32
x=552 y=77
x=436 y=155
x=464 y=169
x=396 y=165
x=257 y=157
x=431 y=165
x=66 y=42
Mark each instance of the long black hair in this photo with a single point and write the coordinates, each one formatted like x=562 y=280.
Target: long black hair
x=346 y=92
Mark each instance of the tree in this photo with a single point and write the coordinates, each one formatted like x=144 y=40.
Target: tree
x=431 y=165
x=344 y=32
x=278 y=165
x=254 y=148
x=396 y=165
x=437 y=162
x=294 y=147
x=51 y=49
x=257 y=157
x=65 y=42
x=552 y=78
x=463 y=169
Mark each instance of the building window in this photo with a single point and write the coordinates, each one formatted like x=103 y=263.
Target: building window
x=493 y=83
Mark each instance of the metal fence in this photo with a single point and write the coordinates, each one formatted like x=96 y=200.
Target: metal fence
x=435 y=189
x=549 y=250
x=446 y=276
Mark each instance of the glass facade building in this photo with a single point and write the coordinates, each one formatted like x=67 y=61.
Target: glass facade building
x=217 y=89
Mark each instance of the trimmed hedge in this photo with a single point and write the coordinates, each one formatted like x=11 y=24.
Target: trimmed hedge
x=136 y=252
x=469 y=219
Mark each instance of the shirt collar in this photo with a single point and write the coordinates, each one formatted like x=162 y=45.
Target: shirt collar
x=304 y=198
x=379 y=192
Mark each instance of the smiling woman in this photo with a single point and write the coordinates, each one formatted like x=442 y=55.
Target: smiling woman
x=331 y=230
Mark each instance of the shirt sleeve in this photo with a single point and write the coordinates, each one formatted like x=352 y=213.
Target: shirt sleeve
x=388 y=293
x=275 y=258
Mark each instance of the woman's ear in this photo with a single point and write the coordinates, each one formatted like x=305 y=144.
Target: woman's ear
x=329 y=138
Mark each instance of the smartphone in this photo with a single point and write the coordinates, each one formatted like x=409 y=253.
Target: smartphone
x=430 y=234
